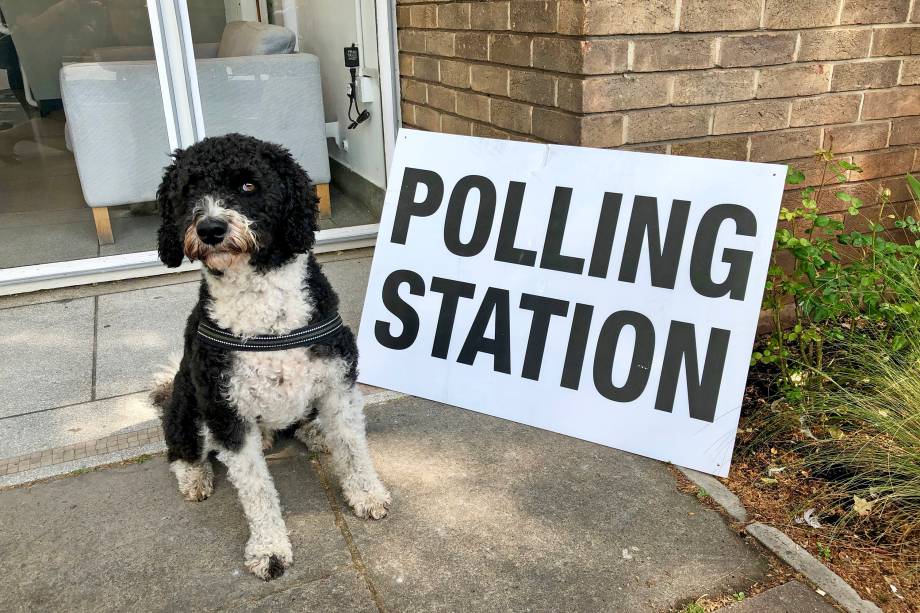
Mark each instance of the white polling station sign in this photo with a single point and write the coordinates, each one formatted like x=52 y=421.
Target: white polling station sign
x=606 y=295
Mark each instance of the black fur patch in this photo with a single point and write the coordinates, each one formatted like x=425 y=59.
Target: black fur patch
x=275 y=568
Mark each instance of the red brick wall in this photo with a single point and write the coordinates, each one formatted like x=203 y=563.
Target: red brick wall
x=761 y=80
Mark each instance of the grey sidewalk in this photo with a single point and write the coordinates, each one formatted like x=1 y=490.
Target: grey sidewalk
x=488 y=515
x=76 y=361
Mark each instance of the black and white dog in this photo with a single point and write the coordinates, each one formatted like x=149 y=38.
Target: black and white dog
x=264 y=348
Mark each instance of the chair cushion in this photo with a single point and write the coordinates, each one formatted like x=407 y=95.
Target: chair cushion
x=242 y=38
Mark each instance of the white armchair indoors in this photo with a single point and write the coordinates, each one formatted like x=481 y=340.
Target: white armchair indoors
x=253 y=85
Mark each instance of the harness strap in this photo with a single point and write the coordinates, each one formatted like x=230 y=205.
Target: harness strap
x=214 y=336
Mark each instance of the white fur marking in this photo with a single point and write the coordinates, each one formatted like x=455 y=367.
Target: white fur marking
x=268 y=537
x=196 y=481
x=341 y=419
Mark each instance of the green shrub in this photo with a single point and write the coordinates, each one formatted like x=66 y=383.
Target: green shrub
x=836 y=280
x=843 y=376
x=861 y=430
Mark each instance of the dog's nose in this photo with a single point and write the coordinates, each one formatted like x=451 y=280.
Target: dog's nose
x=211 y=231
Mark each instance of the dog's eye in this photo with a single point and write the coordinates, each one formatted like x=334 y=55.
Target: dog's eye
x=248 y=188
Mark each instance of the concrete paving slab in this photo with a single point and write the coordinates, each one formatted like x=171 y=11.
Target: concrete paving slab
x=74 y=424
x=48 y=355
x=122 y=539
x=343 y=591
x=489 y=515
x=791 y=597
x=137 y=333
x=349 y=278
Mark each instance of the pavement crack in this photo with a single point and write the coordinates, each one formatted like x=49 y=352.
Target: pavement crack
x=72 y=404
x=342 y=525
x=92 y=395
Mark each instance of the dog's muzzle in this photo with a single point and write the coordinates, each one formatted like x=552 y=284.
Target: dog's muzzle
x=217 y=235
x=211 y=230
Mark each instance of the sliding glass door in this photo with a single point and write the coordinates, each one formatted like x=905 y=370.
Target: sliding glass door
x=278 y=73
x=95 y=94
x=82 y=131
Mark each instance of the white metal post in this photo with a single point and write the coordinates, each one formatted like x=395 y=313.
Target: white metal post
x=172 y=44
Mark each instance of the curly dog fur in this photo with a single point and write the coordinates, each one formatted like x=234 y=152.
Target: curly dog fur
x=248 y=211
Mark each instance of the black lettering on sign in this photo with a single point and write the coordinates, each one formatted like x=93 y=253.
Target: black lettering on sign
x=505 y=250
x=543 y=310
x=407 y=207
x=641 y=362
x=485 y=215
x=739 y=262
x=399 y=307
x=578 y=343
x=553 y=259
x=702 y=393
x=663 y=260
x=495 y=301
x=451 y=291
x=603 y=238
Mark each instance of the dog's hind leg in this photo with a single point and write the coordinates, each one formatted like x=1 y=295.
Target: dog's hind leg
x=196 y=479
x=187 y=447
x=268 y=551
x=310 y=434
x=341 y=420
x=268 y=438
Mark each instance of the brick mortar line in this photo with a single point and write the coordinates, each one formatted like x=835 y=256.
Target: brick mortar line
x=580 y=76
x=496 y=64
x=675 y=34
x=698 y=139
x=624 y=112
x=706 y=105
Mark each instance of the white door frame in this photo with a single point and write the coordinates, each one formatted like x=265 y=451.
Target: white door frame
x=172 y=40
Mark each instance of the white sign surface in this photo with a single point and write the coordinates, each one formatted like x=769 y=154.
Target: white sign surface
x=606 y=295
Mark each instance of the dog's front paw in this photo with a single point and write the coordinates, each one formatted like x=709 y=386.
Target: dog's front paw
x=373 y=504
x=196 y=481
x=266 y=562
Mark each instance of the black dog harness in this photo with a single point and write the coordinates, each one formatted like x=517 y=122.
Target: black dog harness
x=215 y=336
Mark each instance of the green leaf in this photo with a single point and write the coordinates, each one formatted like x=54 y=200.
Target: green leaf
x=848 y=165
x=913 y=184
x=793 y=176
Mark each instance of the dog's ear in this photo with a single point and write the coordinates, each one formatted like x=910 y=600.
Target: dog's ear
x=169 y=243
x=302 y=205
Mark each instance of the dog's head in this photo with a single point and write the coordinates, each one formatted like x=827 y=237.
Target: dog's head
x=232 y=199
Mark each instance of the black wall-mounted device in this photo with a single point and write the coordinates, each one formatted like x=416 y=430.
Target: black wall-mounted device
x=352 y=61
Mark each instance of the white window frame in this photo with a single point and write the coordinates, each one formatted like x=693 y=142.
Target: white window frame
x=172 y=41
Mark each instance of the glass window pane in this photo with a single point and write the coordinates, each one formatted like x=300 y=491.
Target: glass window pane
x=278 y=73
x=82 y=130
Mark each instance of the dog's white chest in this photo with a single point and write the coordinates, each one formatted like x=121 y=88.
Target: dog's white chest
x=277 y=387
